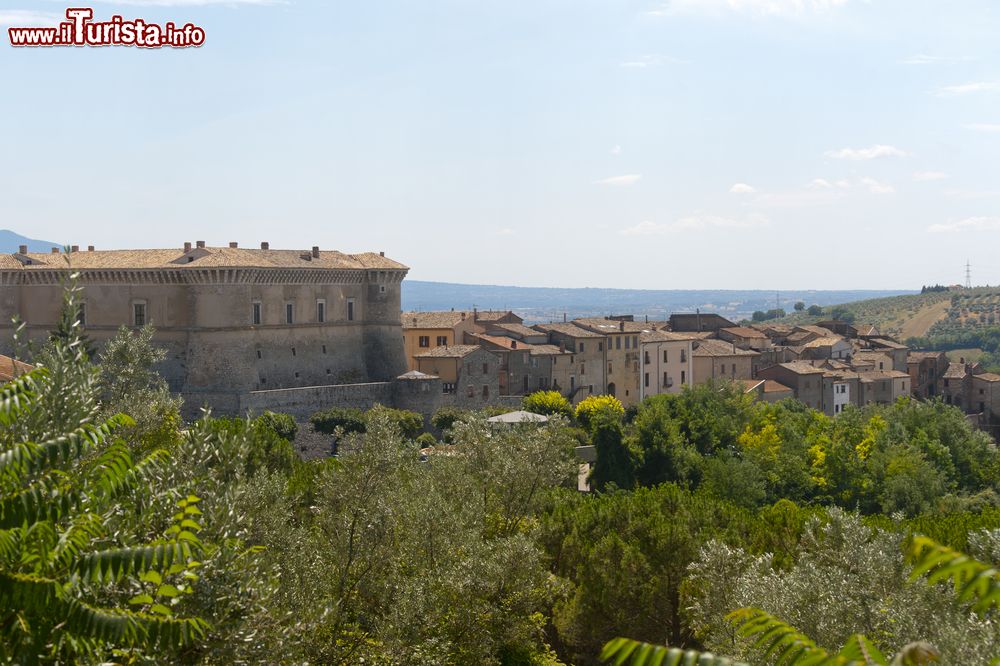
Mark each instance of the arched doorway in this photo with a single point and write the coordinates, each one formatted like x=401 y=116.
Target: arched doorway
x=611 y=389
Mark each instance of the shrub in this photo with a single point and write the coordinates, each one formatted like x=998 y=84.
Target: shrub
x=445 y=417
x=426 y=440
x=593 y=405
x=350 y=420
x=547 y=402
x=283 y=425
x=410 y=424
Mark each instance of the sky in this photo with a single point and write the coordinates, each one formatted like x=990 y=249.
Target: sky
x=772 y=144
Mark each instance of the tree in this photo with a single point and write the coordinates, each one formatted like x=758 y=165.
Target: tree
x=799 y=306
x=593 y=406
x=614 y=464
x=63 y=573
x=548 y=403
x=815 y=311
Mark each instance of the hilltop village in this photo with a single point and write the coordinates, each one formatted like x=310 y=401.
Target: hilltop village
x=252 y=329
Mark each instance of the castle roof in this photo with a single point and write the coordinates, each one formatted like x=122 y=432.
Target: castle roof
x=197 y=257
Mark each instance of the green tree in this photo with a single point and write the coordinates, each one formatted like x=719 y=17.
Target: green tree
x=614 y=463
x=815 y=311
x=65 y=577
x=799 y=306
x=548 y=403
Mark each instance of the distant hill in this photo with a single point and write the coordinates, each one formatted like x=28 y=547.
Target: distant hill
x=934 y=314
x=538 y=304
x=10 y=242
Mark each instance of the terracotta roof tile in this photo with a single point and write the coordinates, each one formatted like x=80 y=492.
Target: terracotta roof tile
x=208 y=257
x=442 y=320
x=449 y=351
x=9 y=368
x=569 y=329
x=720 y=348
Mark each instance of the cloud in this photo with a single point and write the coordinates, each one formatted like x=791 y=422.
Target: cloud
x=923 y=59
x=822 y=183
x=968 y=224
x=617 y=150
x=967 y=88
x=927 y=176
x=506 y=231
x=742 y=188
x=620 y=181
x=877 y=187
x=984 y=127
x=875 y=152
x=18 y=18
x=695 y=222
x=763 y=8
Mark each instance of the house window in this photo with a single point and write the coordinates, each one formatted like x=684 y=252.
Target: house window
x=628 y=342
x=525 y=384
x=350 y=309
x=255 y=313
x=946 y=383
x=293 y=351
x=259 y=355
x=583 y=368
x=734 y=369
x=324 y=349
x=618 y=343
x=646 y=379
x=321 y=311
x=600 y=346
x=684 y=356
x=424 y=341
x=81 y=314
x=581 y=347
x=609 y=368
x=666 y=380
x=138 y=314
x=635 y=341
x=448 y=387
x=486 y=391
x=682 y=376
x=442 y=340
x=486 y=368
x=289 y=313
x=646 y=357
x=471 y=392
x=664 y=355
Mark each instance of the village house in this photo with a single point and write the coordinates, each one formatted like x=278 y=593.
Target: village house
x=895 y=350
x=746 y=337
x=698 y=322
x=805 y=380
x=469 y=374
x=926 y=370
x=956 y=384
x=667 y=362
x=828 y=347
x=424 y=331
x=766 y=390
x=589 y=355
x=621 y=356
x=715 y=360
x=985 y=395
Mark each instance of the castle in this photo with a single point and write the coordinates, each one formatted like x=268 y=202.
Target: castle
x=233 y=320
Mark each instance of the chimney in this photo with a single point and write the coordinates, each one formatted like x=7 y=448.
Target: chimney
x=233 y=244
x=74 y=248
x=200 y=244
x=187 y=247
x=381 y=254
x=90 y=248
x=23 y=249
x=463 y=316
x=621 y=325
x=315 y=251
x=55 y=250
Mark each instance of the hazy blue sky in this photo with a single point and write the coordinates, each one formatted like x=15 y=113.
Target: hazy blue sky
x=685 y=144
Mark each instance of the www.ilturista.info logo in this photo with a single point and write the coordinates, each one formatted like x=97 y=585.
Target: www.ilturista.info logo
x=81 y=30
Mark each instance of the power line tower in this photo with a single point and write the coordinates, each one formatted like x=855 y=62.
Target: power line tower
x=968 y=274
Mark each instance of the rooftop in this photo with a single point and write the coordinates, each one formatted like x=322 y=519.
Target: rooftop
x=452 y=351
x=802 y=368
x=987 y=377
x=720 y=348
x=665 y=336
x=569 y=329
x=447 y=319
x=744 y=332
x=493 y=315
x=518 y=329
x=828 y=341
x=9 y=368
x=955 y=371
x=198 y=257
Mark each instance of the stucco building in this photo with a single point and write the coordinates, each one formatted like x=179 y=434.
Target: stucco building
x=232 y=320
